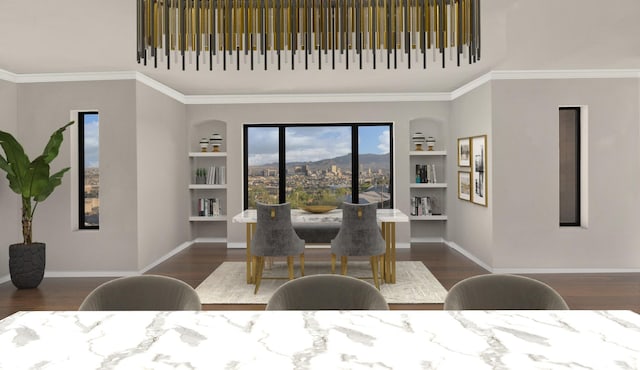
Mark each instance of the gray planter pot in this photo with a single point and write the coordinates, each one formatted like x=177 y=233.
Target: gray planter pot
x=26 y=264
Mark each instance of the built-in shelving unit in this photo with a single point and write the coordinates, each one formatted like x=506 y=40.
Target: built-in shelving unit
x=427 y=185
x=207 y=150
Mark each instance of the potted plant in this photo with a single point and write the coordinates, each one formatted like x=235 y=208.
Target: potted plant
x=32 y=181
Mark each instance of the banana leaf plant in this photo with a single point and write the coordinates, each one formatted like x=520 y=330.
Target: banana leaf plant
x=31 y=180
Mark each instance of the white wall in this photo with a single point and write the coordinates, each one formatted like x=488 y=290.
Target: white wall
x=162 y=174
x=470 y=225
x=42 y=108
x=525 y=175
x=236 y=115
x=10 y=230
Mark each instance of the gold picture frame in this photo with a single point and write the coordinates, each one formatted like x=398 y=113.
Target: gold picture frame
x=464 y=185
x=464 y=152
x=479 y=172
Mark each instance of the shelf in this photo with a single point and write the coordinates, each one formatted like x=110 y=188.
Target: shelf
x=433 y=185
x=428 y=218
x=208 y=218
x=207 y=186
x=427 y=153
x=207 y=154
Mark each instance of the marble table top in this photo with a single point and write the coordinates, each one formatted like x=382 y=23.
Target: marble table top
x=321 y=340
x=331 y=217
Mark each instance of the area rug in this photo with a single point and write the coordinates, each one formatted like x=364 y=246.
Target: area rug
x=227 y=284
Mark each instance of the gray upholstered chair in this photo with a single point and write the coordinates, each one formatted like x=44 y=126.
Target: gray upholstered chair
x=359 y=235
x=327 y=292
x=142 y=293
x=503 y=292
x=275 y=237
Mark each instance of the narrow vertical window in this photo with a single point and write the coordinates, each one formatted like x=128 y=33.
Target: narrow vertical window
x=88 y=170
x=569 y=151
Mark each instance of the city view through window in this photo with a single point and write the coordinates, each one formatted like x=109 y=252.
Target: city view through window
x=319 y=164
x=89 y=170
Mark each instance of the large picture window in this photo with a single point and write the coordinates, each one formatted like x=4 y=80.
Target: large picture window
x=318 y=164
x=88 y=170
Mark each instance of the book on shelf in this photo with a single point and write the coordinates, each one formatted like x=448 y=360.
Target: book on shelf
x=214 y=175
x=421 y=206
x=208 y=207
x=426 y=173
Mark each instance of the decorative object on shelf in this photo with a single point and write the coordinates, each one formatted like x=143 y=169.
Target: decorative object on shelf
x=431 y=143
x=418 y=139
x=235 y=33
x=201 y=176
x=479 y=170
x=464 y=185
x=204 y=144
x=464 y=151
x=216 y=142
x=319 y=208
x=32 y=181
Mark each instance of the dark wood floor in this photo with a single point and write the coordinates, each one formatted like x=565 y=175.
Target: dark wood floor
x=194 y=264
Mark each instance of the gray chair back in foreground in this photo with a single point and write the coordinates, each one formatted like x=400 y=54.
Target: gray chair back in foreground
x=142 y=293
x=503 y=292
x=275 y=237
x=359 y=235
x=327 y=292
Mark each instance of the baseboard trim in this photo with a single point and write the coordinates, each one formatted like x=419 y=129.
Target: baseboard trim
x=469 y=255
x=209 y=240
x=430 y=239
x=536 y=270
x=172 y=253
x=4 y=279
x=564 y=270
x=84 y=274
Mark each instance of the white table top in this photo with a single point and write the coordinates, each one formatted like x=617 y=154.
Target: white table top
x=321 y=340
x=331 y=217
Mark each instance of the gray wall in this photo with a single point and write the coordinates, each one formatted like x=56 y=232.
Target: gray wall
x=162 y=174
x=42 y=108
x=10 y=231
x=470 y=225
x=525 y=175
x=236 y=115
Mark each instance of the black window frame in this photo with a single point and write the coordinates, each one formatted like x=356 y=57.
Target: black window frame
x=282 y=157
x=577 y=200
x=81 y=170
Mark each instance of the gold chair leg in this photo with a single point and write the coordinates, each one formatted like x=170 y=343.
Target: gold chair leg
x=301 y=264
x=381 y=268
x=374 y=268
x=343 y=264
x=290 y=266
x=259 y=268
x=333 y=263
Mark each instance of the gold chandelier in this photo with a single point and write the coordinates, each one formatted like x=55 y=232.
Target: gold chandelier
x=307 y=33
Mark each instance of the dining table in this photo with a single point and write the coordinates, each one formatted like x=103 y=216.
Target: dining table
x=386 y=217
x=570 y=339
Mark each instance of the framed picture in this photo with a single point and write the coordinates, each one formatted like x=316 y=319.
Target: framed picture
x=479 y=170
x=464 y=151
x=464 y=185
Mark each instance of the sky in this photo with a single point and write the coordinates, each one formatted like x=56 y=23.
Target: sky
x=313 y=143
x=91 y=141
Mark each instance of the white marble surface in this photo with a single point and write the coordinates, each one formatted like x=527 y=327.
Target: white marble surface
x=331 y=217
x=321 y=340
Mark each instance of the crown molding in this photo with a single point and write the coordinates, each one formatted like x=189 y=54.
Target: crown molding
x=319 y=98
x=316 y=98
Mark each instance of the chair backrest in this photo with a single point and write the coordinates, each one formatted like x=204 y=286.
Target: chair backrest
x=503 y=292
x=327 y=292
x=142 y=293
x=359 y=233
x=274 y=235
